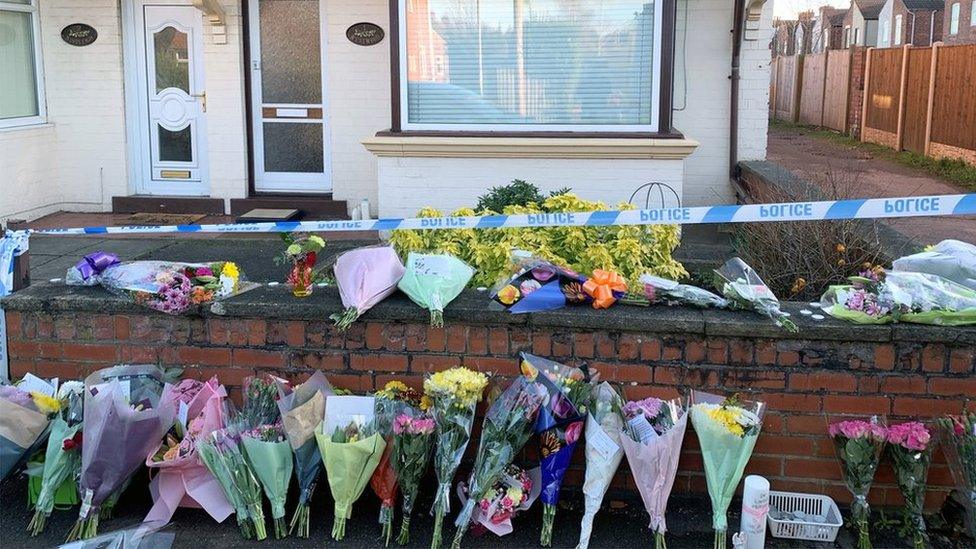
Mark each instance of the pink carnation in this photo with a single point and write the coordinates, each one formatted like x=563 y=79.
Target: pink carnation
x=650 y=407
x=401 y=424
x=911 y=435
x=857 y=429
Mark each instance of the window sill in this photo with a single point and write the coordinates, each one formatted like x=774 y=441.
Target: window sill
x=25 y=127
x=387 y=144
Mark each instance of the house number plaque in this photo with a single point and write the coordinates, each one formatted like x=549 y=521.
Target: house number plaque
x=79 y=34
x=365 y=34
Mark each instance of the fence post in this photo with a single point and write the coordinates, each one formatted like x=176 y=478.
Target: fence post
x=774 y=73
x=902 y=90
x=931 y=101
x=823 y=88
x=867 y=91
x=797 y=89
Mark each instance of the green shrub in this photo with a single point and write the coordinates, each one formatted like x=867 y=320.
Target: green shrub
x=516 y=193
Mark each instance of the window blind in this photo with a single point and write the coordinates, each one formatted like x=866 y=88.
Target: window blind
x=548 y=63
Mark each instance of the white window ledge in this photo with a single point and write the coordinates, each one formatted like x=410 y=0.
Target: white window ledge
x=25 y=127
x=530 y=147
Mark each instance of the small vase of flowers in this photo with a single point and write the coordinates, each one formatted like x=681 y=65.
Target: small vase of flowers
x=301 y=253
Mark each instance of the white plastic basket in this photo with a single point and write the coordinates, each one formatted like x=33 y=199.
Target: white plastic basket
x=824 y=508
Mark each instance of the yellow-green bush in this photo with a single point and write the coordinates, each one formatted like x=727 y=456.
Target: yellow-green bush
x=629 y=250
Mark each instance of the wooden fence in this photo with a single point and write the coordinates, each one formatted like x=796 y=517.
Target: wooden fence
x=916 y=99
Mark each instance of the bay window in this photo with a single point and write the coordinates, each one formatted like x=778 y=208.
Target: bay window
x=21 y=96
x=529 y=66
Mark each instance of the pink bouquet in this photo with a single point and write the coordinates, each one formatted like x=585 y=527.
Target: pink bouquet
x=514 y=491
x=910 y=448
x=181 y=479
x=365 y=277
x=858 y=445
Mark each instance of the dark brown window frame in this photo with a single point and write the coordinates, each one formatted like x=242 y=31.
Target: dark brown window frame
x=665 y=115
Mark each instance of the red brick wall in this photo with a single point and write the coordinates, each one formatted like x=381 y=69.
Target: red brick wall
x=967 y=32
x=800 y=379
x=856 y=92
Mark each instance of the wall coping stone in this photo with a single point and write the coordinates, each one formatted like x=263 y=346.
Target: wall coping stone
x=276 y=303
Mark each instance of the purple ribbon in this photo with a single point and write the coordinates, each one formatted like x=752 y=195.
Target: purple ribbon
x=94 y=263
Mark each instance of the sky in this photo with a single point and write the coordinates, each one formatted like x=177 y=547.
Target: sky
x=787 y=9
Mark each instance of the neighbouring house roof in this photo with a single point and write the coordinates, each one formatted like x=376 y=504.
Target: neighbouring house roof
x=870 y=9
x=917 y=5
x=837 y=18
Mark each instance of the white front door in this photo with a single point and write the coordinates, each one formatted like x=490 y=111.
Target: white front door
x=288 y=104
x=170 y=134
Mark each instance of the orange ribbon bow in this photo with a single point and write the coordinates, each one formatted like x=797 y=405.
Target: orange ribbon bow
x=601 y=287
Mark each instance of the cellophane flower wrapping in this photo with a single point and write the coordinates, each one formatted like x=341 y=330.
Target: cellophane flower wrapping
x=302 y=409
x=727 y=431
x=23 y=425
x=166 y=286
x=658 y=290
x=744 y=289
x=454 y=393
x=434 y=280
x=538 y=285
x=391 y=401
x=959 y=444
x=514 y=491
x=651 y=439
x=224 y=455
x=910 y=447
x=127 y=412
x=508 y=424
x=413 y=441
x=901 y=296
x=365 y=277
x=951 y=259
x=62 y=455
x=269 y=455
x=559 y=424
x=351 y=449
x=181 y=478
x=603 y=453
x=859 y=444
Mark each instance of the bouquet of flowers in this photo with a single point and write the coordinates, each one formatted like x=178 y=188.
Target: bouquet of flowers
x=743 y=288
x=127 y=412
x=269 y=455
x=539 y=285
x=858 y=445
x=302 y=410
x=165 y=286
x=181 y=479
x=454 y=394
x=560 y=425
x=24 y=420
x=959 y=444
x=432 y=281
x=413 y=440
x=603 y=453
x=351 y=449
x=301 y=253
x=910 y=447
x=878 y=298
x=658 y=290
x=951 y=259
x=507 y=427
x=727 y=432
x=365 y=277
x=391 y=401
x=654 y=431
x=223 y=454
x=513 y=492
x=62 y=457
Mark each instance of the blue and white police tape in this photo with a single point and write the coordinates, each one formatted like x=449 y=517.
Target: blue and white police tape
x=865 y=208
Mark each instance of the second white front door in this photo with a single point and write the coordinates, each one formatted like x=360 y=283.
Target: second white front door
x=290 y=123
x=170 y=149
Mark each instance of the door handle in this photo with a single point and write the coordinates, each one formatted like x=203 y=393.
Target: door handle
x=202 y=96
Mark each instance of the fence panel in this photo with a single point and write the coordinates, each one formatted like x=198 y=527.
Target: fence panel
x=882 y=97
x=785 y=87
x=916 y=99
x=812 y=94
x=835 y=89
x=954 y=104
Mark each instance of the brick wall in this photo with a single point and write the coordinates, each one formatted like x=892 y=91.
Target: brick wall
x=900 y=372
x=967 y=31
x=856 y=92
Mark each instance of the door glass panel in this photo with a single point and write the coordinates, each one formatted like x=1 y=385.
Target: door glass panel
x=293 y=147
x=172 y=60
x=290 y=52
x=18 y=86
x=175 y=146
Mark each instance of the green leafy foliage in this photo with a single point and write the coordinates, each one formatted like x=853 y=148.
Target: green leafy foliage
x=516 y=193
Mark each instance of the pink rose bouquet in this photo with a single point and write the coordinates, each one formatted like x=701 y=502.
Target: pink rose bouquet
x=858 y=445
x=910 y=448
x=959 y=444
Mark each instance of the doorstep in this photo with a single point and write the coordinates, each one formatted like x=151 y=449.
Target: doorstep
x=168 y=204
x=317 y=207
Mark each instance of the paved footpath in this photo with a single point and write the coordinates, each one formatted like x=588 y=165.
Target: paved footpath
x=821 y=161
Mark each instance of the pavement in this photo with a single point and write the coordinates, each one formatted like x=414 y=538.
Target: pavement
x=857 y=174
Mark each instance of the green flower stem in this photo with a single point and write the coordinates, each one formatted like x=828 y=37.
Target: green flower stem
x=404 y=537
x=548 y=519
x=659 y=541
x=720 y=539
